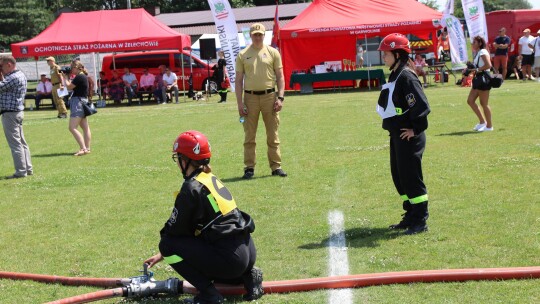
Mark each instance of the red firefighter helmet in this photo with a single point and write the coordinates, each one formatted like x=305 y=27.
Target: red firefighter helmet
x=395 y=42
x=193 y=145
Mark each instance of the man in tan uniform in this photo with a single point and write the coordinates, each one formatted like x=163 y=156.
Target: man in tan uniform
x=258 y=70
x=57 y=82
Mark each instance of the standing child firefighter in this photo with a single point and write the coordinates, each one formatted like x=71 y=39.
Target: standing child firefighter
x=207 y=238
x=404 y=109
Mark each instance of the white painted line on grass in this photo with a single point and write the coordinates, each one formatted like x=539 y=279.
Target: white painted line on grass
x=338 y=263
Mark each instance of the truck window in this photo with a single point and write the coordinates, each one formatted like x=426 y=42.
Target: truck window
x=141 y=61
x=178 y=60
x=186 y=58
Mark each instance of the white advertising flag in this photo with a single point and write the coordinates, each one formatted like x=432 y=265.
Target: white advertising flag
x=476 y=18
x=227 y=33
x=449 y=8
x=458 y=45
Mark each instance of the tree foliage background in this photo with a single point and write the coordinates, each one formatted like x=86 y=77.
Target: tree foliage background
x=23 y=19
x=494 y=5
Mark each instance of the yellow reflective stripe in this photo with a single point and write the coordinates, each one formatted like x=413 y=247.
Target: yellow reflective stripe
x=213 y=203
x=173 y=259
x=404 y=197
x=419 y=199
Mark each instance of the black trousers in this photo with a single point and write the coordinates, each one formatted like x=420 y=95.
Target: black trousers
x=223 y=261
x=406 y=165
x=43 y=96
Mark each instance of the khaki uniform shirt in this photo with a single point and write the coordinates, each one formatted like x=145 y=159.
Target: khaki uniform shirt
x=56 y=74
x=259 y=67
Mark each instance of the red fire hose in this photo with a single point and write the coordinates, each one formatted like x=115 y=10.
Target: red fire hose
x=71 y=281
x=91 y=297
x=371 y=279
x=348 y=281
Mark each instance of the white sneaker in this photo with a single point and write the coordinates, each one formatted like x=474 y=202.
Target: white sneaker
x=485 y=129
x=479 y=126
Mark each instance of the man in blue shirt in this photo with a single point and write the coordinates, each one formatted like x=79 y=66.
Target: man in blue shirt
x=501 y=44
x=131 y=85
x=12 y=91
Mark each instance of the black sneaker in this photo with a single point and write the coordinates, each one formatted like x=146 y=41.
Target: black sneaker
x=253 y=284
x=248 y=173
x=279 y=172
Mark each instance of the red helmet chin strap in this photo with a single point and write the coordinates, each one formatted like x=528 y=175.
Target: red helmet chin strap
x=184 y=169
x=401 y=60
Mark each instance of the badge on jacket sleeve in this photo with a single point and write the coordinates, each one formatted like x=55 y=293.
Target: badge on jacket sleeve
x=410 y=100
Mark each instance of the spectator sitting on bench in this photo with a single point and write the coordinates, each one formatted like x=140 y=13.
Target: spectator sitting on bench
x=170 y=80
x=116 y=88
x=43 y=90
x=146 y=85
x=160 y=90
x=419 y=64
x=516 y=67
x=131 y=84
x=103 y=85
x=91 y=87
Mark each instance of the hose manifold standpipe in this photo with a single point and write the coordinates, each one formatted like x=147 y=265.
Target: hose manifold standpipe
x=172 y=286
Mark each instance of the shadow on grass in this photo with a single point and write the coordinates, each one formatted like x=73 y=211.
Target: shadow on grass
x=52 y=155
x=359 y=237
x=240 y=179
x=459 y=133
x=166 y=299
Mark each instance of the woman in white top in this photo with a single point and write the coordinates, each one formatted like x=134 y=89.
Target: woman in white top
x=479 y=89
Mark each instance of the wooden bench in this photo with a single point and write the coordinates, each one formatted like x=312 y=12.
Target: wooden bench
x=31 y=94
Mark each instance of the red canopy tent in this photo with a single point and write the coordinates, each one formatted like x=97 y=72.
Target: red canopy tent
x=327 y=30
x=101 y=32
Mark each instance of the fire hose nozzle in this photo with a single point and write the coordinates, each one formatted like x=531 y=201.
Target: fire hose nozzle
x=172 y=286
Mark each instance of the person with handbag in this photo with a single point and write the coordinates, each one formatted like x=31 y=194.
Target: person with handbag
x=79 y=86
x=207 y=239
x=220 y=76
x=481 y=86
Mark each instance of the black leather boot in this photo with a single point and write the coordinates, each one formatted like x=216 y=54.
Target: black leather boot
x=253 y=284
x=419 y=216
x=406 y=217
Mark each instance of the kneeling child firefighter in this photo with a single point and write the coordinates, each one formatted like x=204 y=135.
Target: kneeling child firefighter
x=207 y=238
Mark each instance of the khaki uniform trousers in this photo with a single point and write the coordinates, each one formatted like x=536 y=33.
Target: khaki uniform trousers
x=58 y=101
x=257 y=104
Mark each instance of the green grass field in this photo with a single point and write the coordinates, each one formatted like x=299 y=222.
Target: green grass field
x=100 y=215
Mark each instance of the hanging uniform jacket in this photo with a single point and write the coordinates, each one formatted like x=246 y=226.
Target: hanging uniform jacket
x=402 y=103
x=205 y=208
